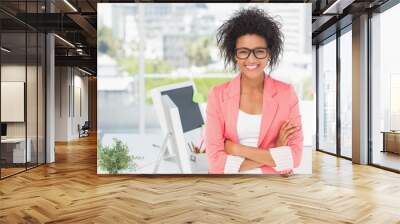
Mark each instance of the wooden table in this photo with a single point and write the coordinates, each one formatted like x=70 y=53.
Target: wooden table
x=13 y=150
x=391 y=141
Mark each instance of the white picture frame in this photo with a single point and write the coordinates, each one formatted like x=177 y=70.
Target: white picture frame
x=12 y=101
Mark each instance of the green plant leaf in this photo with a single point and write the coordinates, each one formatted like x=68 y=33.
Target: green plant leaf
x=116 y=157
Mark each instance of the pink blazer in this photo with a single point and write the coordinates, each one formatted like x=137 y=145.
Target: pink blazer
x=280 y=103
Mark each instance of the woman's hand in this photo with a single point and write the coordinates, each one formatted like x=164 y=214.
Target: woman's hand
x=231 y=148
x=285 y=133
x=286 y=173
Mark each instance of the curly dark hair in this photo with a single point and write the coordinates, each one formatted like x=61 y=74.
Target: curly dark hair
x=250 y=21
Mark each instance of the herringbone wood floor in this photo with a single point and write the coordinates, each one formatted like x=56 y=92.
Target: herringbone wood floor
x=69 y=191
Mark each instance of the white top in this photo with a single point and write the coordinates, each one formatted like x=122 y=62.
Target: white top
x=248 y=129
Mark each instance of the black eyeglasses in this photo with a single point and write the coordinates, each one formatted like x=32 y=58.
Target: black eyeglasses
x=244 y=53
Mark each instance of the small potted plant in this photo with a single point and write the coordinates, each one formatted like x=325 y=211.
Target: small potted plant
x=116 y=157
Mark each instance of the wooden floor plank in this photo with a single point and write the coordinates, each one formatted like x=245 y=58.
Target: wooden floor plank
x=70 y=191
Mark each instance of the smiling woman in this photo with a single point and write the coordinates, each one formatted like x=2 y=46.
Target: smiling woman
x=253 y=121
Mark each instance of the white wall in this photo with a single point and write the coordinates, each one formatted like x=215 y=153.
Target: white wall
x=61 y=103
x=70 y=83
x=79 y=117
x=14 y=73
x=33 y=126
x=17 y=73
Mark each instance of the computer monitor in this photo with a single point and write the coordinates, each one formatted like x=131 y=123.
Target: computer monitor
x=3 y=129
x=181 y=94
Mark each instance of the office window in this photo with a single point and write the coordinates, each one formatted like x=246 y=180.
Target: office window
x=346 y=94
x=41 y=87
x=171 y=51
x=13 y=86
x=31 y=100
x=327 y=96
x=22 y=92
x=385 y=85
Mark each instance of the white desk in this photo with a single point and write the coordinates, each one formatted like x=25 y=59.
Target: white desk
x=19 y=149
